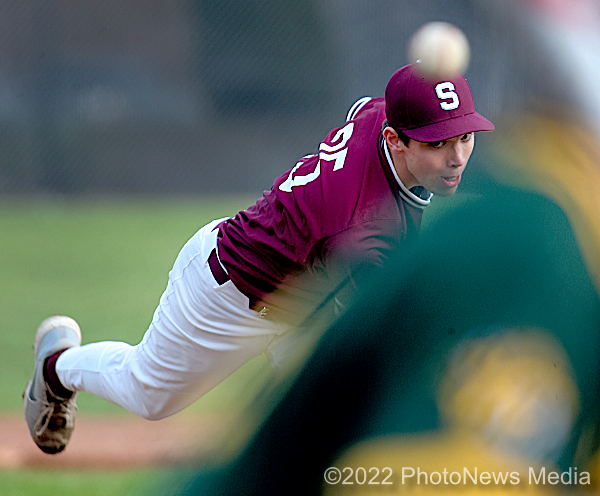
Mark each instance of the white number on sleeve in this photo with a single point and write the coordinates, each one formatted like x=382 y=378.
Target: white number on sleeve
x=445 y=91
x=336 y=152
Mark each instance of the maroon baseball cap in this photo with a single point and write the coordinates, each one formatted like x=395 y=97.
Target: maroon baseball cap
x=431 y=110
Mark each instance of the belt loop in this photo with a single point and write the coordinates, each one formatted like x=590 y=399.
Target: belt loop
x=216 y=268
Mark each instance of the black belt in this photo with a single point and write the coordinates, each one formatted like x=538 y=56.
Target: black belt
x=216 y=268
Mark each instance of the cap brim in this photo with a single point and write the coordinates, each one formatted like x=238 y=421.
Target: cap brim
x=449 y=128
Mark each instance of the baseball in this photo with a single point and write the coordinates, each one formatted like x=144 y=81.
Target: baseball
x=441 y=48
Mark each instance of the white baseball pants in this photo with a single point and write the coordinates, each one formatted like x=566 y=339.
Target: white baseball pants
x=201 y=332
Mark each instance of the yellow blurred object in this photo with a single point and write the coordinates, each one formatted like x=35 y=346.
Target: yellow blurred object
x=515 y=390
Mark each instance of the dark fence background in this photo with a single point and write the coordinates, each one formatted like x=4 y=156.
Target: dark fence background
x=197 y=96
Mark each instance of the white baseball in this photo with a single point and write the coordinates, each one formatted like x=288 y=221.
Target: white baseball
x=441 y=48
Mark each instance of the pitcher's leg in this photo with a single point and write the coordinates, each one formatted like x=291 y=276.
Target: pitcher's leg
x=201 y=332
x=173 y=366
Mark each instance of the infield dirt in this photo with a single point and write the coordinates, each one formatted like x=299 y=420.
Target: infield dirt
x=117 y=442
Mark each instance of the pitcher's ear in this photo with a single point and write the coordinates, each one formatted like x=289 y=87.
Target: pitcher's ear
x=395 y=143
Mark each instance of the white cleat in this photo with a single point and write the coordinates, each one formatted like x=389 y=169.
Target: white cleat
x=50 y=418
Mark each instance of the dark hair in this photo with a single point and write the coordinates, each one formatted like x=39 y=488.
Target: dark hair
x=405 y=139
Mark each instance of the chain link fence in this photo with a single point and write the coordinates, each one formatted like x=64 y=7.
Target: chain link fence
x=194 y=96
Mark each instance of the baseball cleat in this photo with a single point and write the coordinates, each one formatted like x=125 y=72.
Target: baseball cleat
x=49 y=417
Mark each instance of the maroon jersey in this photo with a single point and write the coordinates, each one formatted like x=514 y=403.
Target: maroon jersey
x=334 y=212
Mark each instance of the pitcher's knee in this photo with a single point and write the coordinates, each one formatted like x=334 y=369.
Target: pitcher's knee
x=153 y=408
x=154 y=415
x=153 y=404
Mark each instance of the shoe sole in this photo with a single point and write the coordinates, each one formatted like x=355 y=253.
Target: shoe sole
x=52 y=323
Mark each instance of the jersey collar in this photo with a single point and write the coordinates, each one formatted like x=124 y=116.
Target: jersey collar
x=418 y=197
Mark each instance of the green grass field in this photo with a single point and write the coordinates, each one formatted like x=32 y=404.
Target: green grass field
x=77 y=483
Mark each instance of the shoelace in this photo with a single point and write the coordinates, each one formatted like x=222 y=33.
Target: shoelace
x=55 y=416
